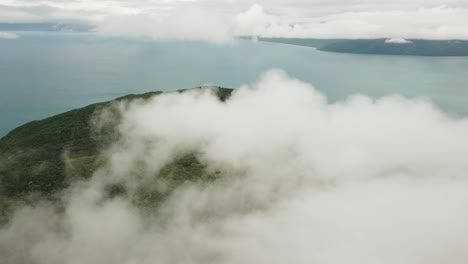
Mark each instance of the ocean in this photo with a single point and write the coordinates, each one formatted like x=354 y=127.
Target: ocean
x=42 y=74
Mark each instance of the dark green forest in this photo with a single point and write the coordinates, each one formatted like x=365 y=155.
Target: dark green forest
x=33 y=156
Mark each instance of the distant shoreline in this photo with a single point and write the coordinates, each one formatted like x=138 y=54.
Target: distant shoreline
x=402 y=47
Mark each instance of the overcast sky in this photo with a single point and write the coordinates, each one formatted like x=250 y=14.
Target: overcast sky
x=220 y=20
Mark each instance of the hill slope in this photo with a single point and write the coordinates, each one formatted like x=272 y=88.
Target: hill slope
x=32 y=155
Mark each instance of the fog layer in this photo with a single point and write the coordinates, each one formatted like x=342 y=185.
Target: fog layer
x=300 y=180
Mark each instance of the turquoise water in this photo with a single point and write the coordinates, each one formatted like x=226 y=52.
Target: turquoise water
x=42 y=75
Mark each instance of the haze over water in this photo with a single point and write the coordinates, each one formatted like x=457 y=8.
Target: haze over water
x=42 y=75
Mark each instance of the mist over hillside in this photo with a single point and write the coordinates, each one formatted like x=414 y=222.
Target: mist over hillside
x=284 y=176
x=324 y=150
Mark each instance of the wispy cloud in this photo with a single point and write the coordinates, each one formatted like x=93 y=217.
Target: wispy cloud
x=398 y=41
x=8 y=35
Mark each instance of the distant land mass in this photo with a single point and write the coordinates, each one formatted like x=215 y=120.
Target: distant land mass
x=41 y=158
x=410 y=47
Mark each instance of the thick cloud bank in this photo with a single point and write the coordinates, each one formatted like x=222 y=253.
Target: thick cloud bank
x=221 y=20
x=302 y=181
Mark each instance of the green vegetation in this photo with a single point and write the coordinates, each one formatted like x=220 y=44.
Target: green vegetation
x=417 y=47
x=32 y=156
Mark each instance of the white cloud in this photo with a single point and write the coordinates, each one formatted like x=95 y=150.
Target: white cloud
x=217 y=21
x=427 y=23
x=398 y=41
x=186 y=24
x=253 y=21
x=303 y=180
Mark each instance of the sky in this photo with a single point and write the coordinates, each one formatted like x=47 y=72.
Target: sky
x=221 y=20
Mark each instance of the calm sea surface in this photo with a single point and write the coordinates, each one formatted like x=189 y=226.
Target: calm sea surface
x=45 y=74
